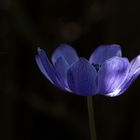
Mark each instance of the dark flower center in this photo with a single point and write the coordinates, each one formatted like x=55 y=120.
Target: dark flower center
x=97 y=66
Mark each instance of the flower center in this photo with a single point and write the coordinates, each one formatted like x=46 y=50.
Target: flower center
x=97 y=66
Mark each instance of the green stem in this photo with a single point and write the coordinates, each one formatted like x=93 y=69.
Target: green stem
x=91 y=118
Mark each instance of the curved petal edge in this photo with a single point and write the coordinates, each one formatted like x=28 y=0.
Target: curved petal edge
x=105 y=52
x=82 y=78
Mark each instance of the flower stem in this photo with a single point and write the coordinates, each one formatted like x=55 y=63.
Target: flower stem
x=91 y=118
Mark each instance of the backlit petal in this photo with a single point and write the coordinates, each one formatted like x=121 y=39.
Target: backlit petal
x=135 y=65
x=48 y=67
x=67 y=52
x=133 y=74
x=104 y=52
x=112 y=73
x=82 y=78
x=41 y=67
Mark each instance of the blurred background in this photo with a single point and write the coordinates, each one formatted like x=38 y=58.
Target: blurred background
x=30 y=106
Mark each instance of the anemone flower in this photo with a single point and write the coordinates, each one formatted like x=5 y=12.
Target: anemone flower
x=105 y=73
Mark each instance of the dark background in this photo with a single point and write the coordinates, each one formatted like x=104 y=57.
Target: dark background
x=30 y=106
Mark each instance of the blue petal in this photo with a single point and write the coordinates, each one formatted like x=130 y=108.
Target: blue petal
x=135 y=65
x=112 y=74
x=41 y=67
x=61 y=67
x=67 y=52
x=82 y=78
x=104 y=52
x=51 y=74
x=133 y=74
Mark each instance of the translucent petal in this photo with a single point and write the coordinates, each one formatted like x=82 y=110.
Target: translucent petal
x=135 y=64
x=41 y=67
x=112 y=73
x=67 y=52
x=51 y=73
x=104 y=52
x=133 y=74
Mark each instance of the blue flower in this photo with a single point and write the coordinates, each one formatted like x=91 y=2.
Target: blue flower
x=105 y=73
